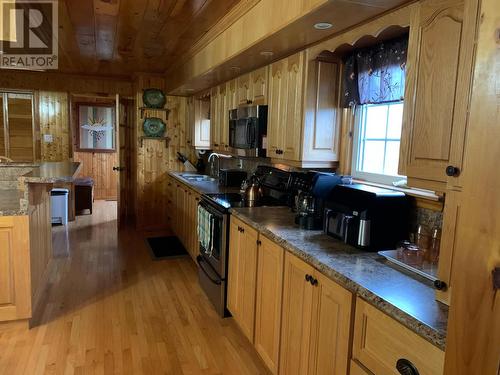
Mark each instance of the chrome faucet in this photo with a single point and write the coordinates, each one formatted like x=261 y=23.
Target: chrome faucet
x=214 y=155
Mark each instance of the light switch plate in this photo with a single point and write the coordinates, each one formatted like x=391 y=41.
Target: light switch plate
x=48 y=138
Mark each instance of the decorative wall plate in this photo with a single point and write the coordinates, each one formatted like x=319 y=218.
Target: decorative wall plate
x=154 y=127
x=154 y=98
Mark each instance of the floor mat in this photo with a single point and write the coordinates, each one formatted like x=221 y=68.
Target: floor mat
x=166 y=247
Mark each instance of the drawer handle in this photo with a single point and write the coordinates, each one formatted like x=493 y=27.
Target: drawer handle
x=405 y=367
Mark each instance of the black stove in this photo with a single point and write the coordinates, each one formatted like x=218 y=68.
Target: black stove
x=236 y=200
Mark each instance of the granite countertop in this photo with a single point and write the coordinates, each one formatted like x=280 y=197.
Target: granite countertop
x=406 y=298
x=52 y=172
x=14 y=201
x=10 y=203
x=203 y=187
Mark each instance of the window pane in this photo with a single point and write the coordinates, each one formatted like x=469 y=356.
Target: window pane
x=2 y=137
x=376 y=120
x=20 y=119
x=395 y=121
x=373 y=160
x=391 y=158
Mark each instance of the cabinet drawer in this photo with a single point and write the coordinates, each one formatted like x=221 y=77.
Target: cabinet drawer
x=380 y=341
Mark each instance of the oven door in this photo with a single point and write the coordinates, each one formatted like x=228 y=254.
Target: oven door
x=213 y=286
x=216 y=254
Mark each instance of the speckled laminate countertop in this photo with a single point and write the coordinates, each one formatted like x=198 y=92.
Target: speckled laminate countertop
x=14 y=201
x=408 y=299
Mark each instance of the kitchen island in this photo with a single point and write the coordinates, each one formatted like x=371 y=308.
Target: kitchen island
x=26 y=232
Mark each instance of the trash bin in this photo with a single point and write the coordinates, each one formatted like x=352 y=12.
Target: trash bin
x=59 y=202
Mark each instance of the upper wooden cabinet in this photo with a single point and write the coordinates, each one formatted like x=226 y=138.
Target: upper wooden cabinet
x=303 y=118
x=259 y=86
x=215 y=117
x=198 y=122
x=440 y=54
x=316 y=322
x=252 y=87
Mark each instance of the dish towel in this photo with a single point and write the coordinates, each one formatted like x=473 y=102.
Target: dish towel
x=204 y=228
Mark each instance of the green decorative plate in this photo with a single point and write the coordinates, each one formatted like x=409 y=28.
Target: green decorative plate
x=154 y=98
x=154 y=127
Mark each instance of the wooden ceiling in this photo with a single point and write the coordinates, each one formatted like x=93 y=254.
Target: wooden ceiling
x=120 y=37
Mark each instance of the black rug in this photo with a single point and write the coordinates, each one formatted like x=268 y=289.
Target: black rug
x=166 y=247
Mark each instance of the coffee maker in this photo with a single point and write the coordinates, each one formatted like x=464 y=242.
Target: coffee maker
x=309 y=202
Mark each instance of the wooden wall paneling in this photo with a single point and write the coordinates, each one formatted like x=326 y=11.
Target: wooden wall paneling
x=40 y=235
x=154 y=159
x=74 y=83
x=15 y=296
x=54 y=120
x=473 y=335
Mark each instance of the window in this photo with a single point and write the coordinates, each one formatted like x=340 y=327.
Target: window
x=17 y=126
x=377 y=137
x=96 y=127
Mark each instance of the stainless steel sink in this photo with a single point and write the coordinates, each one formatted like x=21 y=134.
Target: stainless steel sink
x=197 y=177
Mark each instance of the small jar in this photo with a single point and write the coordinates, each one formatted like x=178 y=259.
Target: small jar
x=423 y=239
x=413 y=255
x=435 y=245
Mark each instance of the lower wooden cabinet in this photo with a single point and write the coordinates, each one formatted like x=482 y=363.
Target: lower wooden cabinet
x=380 y=342
x=242 y=275
x=357 y=369
x=316 y=322
x=269 y=302
x=183 y=215
x=15 y=281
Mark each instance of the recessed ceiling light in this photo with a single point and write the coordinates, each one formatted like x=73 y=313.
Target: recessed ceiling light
x=323 y=25
x=267 y=53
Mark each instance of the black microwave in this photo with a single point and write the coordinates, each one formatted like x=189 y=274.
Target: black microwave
x=247 y=130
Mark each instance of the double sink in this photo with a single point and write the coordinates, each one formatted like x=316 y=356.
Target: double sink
x=197 y=177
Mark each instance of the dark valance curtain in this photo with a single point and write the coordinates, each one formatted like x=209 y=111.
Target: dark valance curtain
x=376 y=74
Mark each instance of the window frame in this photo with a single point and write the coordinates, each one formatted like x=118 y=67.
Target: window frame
x=379 y=178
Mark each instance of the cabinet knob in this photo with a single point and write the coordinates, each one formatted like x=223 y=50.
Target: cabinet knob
x=405 y=367
x=259 y=242
x=216 y=144
x=314 y=281
x=308 y=278
x=440 y=285
x=452 y=171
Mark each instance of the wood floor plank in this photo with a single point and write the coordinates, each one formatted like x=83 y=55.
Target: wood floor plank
x=110 y=309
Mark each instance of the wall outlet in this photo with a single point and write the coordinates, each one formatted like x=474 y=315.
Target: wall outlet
x=48 y=138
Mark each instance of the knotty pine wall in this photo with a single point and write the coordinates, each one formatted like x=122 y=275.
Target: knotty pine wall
x=54 y=119
x=153 y=160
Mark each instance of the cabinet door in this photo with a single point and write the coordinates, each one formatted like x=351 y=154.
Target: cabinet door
x=202 y=124
x=242 y=275
x=225 y=99
x=297 y=316
x=244 y=89
x=437 y=91
x=215 y=118
x=292 y=133
x=15 y=281
x=268 y=304
x=331 y=326
x=322 y=114
x=277 y=108
x=232 y=93
x=190 y=121
x=259 y=86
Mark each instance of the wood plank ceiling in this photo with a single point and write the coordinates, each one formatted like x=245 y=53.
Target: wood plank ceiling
x=120 y=37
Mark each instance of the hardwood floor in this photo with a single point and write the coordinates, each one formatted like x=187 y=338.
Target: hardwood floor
x=110 y=309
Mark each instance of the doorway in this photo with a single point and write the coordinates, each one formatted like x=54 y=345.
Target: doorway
x=102 y=142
